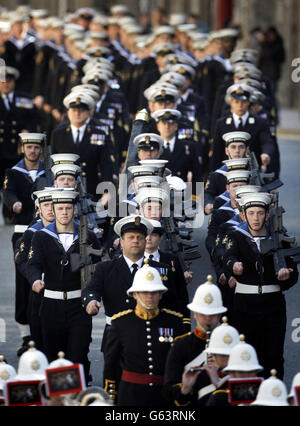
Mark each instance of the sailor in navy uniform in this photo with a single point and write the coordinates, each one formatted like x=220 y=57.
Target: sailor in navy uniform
x=43 y=199
x=19 y=184
x=261 y=142
x=259 y=309
x=139 y=340
x=236 y=146
x=228 y=210
x=65 y=324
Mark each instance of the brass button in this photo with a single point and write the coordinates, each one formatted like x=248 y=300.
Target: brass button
x=148 y=336
x=13 y=140
x=151 y=367
x=148 y=329
x=149 y=352
x=150 y=359
x=149 y=344
x=127 y=301
x=150 y=384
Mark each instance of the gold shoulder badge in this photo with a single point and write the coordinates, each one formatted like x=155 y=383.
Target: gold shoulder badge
x=121 y=314
x=30 y=254
x=183 y=335
x=5 y=182
x=176 y=314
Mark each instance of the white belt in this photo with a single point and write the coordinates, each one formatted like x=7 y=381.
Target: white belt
x=20 y=229
x=62 y=295
x=108 y=320
x=256 y=289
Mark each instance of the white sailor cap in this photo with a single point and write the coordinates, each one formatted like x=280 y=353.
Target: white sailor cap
x=179 y=58
x=163 y=29
x=244 y=55
x=17 y=17
x=67 y=196
x=97 y=68
x=246 y=72
x=85 y=13
x=239 y=91
x=185 y=28
x=176 y=19
x=71 y=28
x=158 y=164
x=163 y=49
x=228 y=32
x=133 y=223
x=147 y=170
x=200 y=44
x=5 y=27
x=95 y=77
x=104 y=62
x=100 y=20
x=12 y=72
x=79 y=100
x=98 y=35
x=237 y=163
x=146 y=195
x=236 y=137
x=148 y=141
x=168 y=115
x=257 y=97
x=99 y=51
x=90 y=87
x=247 y=189
x=159 y=94
x=119 y=8
x=65 y=169
x=174 y=78
x=214 y=35
x=39 y=13
x=55 y=22
x=44 y=195
x=238 y=176
x=254 y=84
x=157 y=227
x=147 y=279
x=147 y=181
x=84 y=91
x=257 y=199
x=133 y=29
x=66 y=158
x=37 y=138
x=183 y=69
x=156 y=87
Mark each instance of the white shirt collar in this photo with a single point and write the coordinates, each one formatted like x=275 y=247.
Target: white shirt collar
x=156 y=255
x=236 y=119
x=130 y=262
x=171 y=142
x=81 y=131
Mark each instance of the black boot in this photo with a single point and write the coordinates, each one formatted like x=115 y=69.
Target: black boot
x=25 y=345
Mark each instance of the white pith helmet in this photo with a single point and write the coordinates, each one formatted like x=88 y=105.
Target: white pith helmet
x=223 y=338
x=147 y=279
x=271 y=392
x=207 y=299
x=32 y=364
x=295 y=382
x=60 y=361
x=7 y=372
x=243 y=357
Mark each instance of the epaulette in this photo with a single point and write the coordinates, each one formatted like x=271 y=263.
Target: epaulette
x=121 y=314
x=220 y=391
x=182 y=335
x=176 y=314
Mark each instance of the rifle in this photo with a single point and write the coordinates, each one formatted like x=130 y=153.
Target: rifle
x=47 y=179
x=274 y=244
x=83 y=259
x=257 y=177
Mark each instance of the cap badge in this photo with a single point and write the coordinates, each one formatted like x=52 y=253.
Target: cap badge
x=208 y=299
x=137 y=221
x=239 y=91
x=276 y=392
x=149 y=276
x=163 y=93
x=227 y=339
x=147 y=139
x=35 y=365
x=78 y=101
x=245 y=356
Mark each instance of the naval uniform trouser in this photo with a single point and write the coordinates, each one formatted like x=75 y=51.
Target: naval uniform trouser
x=66 y=327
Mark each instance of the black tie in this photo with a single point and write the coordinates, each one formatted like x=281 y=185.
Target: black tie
x=168 y=148
x=78 y=137
x=151 y=257
x=240 y=126
x=134 y=269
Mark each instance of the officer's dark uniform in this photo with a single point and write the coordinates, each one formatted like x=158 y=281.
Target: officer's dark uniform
x=65 y=324
x=261 y=139
x=215 y=185
x=261 y=317
x=185 y=349
x=23 y=59
x=135 y=340
x=94 y=151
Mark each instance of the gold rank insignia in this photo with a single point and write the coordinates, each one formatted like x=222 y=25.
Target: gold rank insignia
x=225 y=239
x=22 y=246
x=229 y=244
x=30 y=254
x=207 y=184
x=218 y=240
x=5 y=182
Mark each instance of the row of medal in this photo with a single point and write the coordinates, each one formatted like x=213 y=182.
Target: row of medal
x=165 y=335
